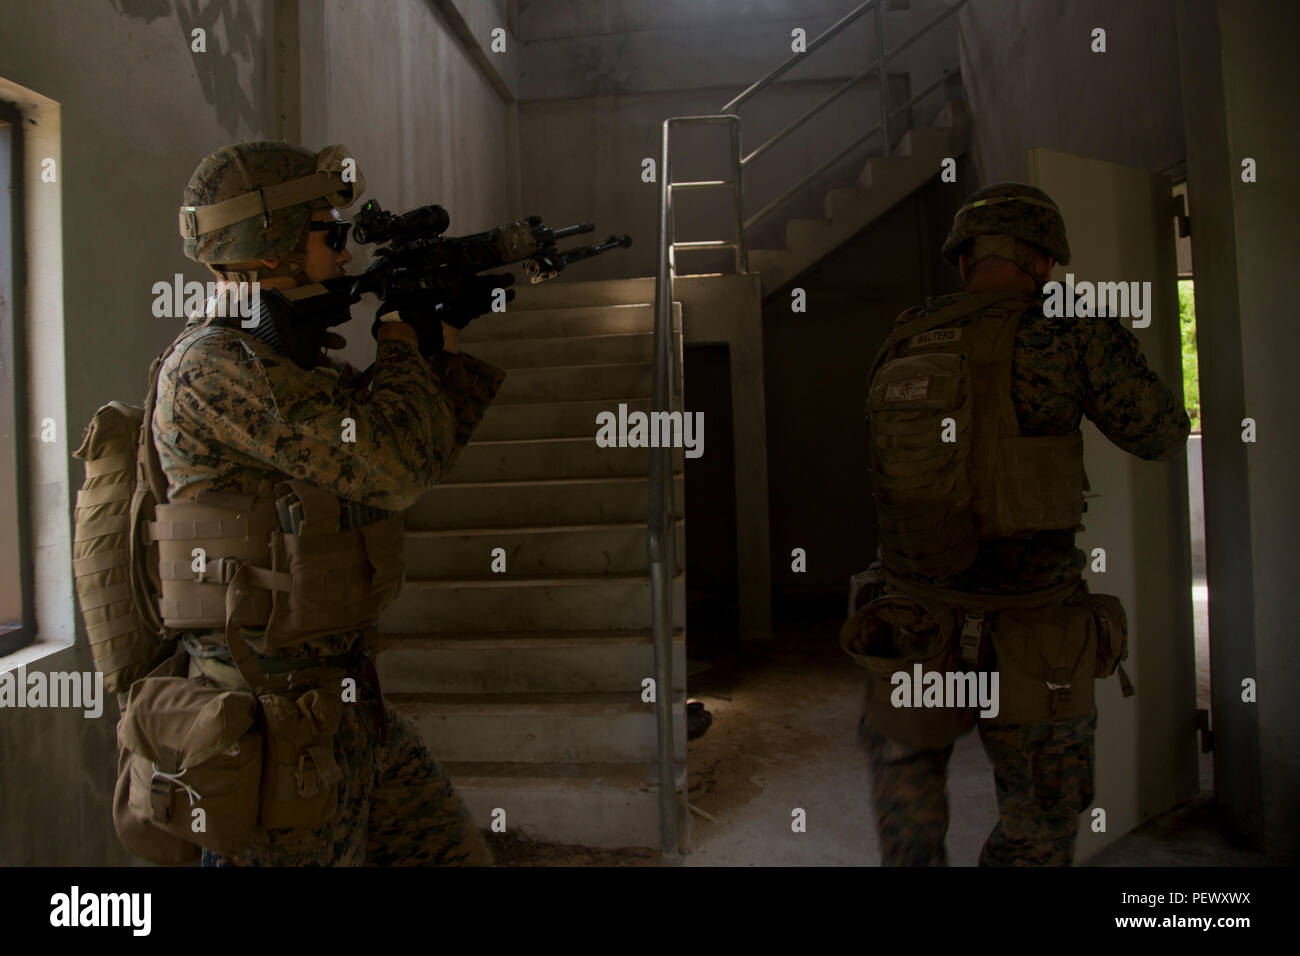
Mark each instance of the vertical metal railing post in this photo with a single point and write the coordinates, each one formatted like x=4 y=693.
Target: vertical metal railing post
x=660 y=539
x=883 y=76
x=742 y=256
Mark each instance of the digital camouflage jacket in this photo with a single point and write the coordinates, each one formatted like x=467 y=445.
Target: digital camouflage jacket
x=231 y=411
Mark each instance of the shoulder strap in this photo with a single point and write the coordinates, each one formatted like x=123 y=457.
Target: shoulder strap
x=149 y=468
x=150 y=490
x=973 y=302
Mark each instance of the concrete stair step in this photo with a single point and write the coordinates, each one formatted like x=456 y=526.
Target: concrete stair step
x=604 y=805
x=516 y=603
x=567 y=295
x=842 y=202
x=768 y=262
x=523 y=661
x=578 y=383
x=603 y=349
x=525 y=459
x=953 y=115
x=883 y=182
x=553 y=419
x=800 y=233
x=540 y=728
x=560 y=321
x=925 y=142
x=513 y=504
x=890 y=172
x=550 y=550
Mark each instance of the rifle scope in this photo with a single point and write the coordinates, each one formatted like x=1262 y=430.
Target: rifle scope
x=373 y=224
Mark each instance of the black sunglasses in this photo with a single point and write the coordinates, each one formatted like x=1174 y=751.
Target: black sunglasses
x=338 y=232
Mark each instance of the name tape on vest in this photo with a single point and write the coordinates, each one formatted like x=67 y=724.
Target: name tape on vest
x=934 y=337
x=908 y=390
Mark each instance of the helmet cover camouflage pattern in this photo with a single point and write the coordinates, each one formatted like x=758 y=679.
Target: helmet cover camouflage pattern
x=243 y=168
x=1013 y=209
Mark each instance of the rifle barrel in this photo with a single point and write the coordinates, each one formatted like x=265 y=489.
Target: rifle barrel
x=565 y=231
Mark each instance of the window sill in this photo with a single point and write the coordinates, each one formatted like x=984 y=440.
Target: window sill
x=33 y=652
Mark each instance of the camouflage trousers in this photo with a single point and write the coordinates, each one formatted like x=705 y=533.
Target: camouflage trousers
x=1043 y=774
x=396 y=807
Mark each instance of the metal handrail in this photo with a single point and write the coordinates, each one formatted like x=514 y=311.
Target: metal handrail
x=883 y=57
x=842 y=153
x=808 y=115
x=812 y=175
x=660 y=539
x=798 y=58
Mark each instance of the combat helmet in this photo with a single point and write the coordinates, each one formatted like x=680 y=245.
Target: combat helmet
x=253 y=200
x=1014 y=210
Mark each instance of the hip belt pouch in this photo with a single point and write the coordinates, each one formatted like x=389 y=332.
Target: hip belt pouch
x=300 y=775
x=889 y=637
x=1046 y=660
x=1112 y=632
x=190 y=761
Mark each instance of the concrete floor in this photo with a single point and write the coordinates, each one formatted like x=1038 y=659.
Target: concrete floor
x=784 y=738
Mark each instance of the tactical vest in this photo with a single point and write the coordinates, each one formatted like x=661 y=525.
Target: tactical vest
x=225 y=561
x=950 y=467
x=297 y=564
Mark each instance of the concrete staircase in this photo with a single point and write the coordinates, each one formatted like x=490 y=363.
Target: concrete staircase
x=883 y=182
x=527 y=684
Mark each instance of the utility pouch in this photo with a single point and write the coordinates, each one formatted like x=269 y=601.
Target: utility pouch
x=1046 y=659
x=336 y=578
x=890 y=636
x=300 y=776
x=1112 y=632
x=185 y=747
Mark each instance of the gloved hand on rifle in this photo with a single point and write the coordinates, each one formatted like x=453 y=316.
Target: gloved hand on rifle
x=427 y=310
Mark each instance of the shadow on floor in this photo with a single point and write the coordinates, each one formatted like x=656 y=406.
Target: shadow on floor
x=784 y=740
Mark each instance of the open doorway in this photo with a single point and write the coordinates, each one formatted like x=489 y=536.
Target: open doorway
x=1195 y=483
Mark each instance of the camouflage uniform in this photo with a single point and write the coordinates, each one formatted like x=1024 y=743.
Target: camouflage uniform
x=1063 y=369
x=232 y=413
x=235 y=414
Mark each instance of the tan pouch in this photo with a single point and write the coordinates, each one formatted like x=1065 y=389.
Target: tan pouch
x=1112 y=632
x=300 y=776
x=338 y=579
x=890 y=635
x=184 y=748
x=1046 y=658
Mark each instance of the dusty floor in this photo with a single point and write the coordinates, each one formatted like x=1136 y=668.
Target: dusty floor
x=783 y=739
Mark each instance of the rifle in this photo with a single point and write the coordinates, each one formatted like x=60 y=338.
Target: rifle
x=414 y=255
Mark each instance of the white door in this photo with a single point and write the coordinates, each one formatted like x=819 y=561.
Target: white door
x=1119 y=223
